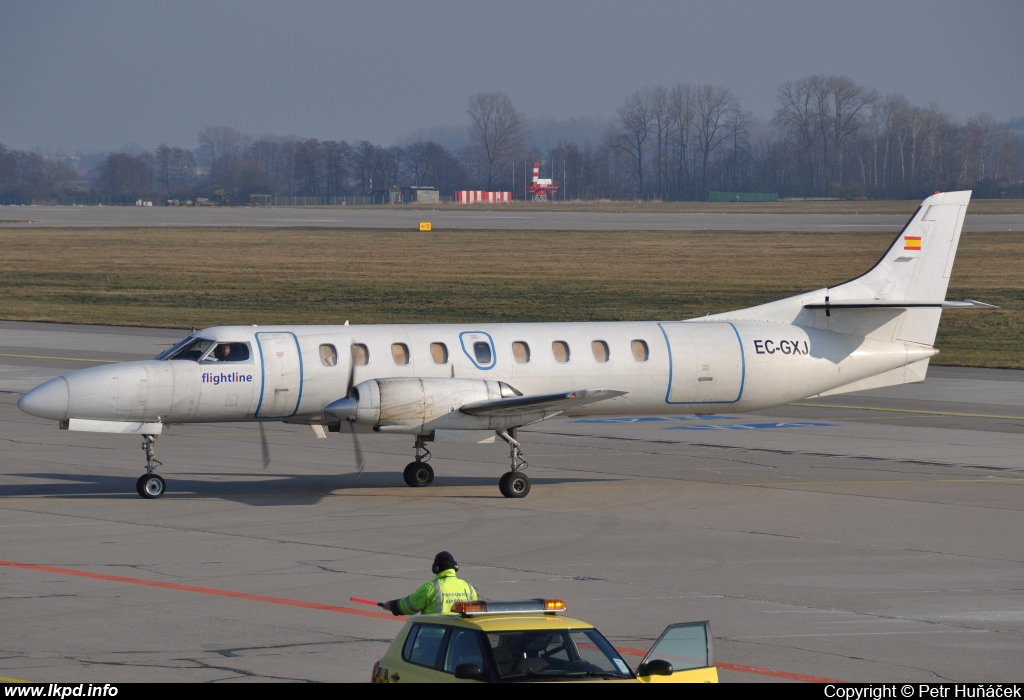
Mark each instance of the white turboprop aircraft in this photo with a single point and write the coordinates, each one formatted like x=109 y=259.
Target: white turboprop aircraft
x=470 y=382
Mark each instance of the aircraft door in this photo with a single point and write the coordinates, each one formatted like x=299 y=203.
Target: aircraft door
x=706 y=363
x=281 y=364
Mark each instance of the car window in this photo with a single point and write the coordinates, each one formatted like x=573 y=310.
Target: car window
x=423 y=645
x=685 y=645
x=526 y=654
x=463 y=648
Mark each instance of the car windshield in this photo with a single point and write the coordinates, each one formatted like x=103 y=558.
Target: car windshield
x=549 y=654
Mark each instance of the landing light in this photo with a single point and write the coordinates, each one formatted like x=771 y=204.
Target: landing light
x=506 y=607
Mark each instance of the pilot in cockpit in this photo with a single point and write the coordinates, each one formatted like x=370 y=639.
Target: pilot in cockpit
x=229 y=352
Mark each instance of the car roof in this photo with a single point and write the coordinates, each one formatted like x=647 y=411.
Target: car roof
x=505 y=622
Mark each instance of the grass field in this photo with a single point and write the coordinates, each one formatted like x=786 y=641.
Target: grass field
x=194 y=277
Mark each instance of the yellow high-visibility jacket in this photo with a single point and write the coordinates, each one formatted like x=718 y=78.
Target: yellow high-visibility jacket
x=439 y=595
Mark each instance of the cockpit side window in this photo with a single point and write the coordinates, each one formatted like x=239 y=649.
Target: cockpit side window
x=229 y=352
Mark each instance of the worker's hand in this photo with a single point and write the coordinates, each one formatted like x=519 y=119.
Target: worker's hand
x=392 y=605
x=382 y=605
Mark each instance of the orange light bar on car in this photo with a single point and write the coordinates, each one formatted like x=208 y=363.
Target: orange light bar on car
x=509 y=607
x=469 y=608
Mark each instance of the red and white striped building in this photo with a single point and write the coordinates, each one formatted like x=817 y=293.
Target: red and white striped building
x=474 y=196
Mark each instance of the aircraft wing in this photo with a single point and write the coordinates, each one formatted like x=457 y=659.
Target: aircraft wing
x=547 y=402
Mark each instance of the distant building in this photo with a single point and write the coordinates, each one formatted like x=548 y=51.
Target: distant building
x=421 y=194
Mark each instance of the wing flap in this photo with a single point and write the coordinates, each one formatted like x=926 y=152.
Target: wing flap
x=546 y=402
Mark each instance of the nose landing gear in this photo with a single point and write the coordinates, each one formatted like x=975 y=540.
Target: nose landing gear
x=150 y=485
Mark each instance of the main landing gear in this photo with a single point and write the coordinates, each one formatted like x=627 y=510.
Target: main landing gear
x=150 y=485
x=419 y=473
x=512 y=484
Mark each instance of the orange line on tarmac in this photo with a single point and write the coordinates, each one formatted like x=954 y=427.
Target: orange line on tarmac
x=201 y=589
x=348 y=611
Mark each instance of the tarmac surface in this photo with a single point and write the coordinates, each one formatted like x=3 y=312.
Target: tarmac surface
x=513 y=219
x=869 y=537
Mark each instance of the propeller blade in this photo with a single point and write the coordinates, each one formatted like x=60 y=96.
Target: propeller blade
x=360 y=462
x=264 y=445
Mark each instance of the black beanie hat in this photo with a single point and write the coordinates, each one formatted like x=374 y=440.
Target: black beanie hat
x=443 y=561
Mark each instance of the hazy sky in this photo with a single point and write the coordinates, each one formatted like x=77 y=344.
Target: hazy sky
x=102 y=74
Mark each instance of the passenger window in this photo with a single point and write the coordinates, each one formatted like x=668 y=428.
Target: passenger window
x=521 y=352
x=463 y=648
x=329 y=355
x=640 y=351
x=423 y=645
x=360 y=354
x=482 y=351
x=400 y=353
x=439 y=351
x=561 y=350
x=600 y=349
x=229 y=352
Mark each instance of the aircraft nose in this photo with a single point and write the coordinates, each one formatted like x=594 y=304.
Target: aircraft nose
x=48 y=400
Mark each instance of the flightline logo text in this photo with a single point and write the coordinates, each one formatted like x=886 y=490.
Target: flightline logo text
x=222 y=377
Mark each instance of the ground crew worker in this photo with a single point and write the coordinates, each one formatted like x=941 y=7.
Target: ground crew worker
x=435 y=596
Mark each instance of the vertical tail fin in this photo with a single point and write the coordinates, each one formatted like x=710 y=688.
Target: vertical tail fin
x=917 y=266
x=900 y=298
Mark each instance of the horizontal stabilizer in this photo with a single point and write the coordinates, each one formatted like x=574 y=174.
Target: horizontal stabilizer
x=881 y=304
x=548 y=402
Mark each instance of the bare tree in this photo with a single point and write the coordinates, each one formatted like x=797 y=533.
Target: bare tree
x=636 y=119
x=713 y=105
x=498 y=132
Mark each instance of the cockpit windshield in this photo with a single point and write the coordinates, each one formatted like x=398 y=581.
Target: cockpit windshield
x=189 y=349
x=206 y=350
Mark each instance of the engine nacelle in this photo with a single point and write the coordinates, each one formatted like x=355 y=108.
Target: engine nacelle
x=419 y=406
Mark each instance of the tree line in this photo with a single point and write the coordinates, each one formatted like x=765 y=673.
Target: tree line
x=828 y=137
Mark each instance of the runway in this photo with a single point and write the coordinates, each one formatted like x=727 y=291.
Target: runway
x=513 y=219
x=868 y=537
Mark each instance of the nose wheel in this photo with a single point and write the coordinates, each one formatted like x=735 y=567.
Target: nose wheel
x=150 y=485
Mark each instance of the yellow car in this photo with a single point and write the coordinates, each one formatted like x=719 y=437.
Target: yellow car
x=530 y=640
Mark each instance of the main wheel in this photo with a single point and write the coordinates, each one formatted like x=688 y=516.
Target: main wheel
x=517 y=485
x=418 y=474
x=503 y=484
x=151 y=486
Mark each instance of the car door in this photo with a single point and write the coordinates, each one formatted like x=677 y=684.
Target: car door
x=687 y=647
x=422 y=656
